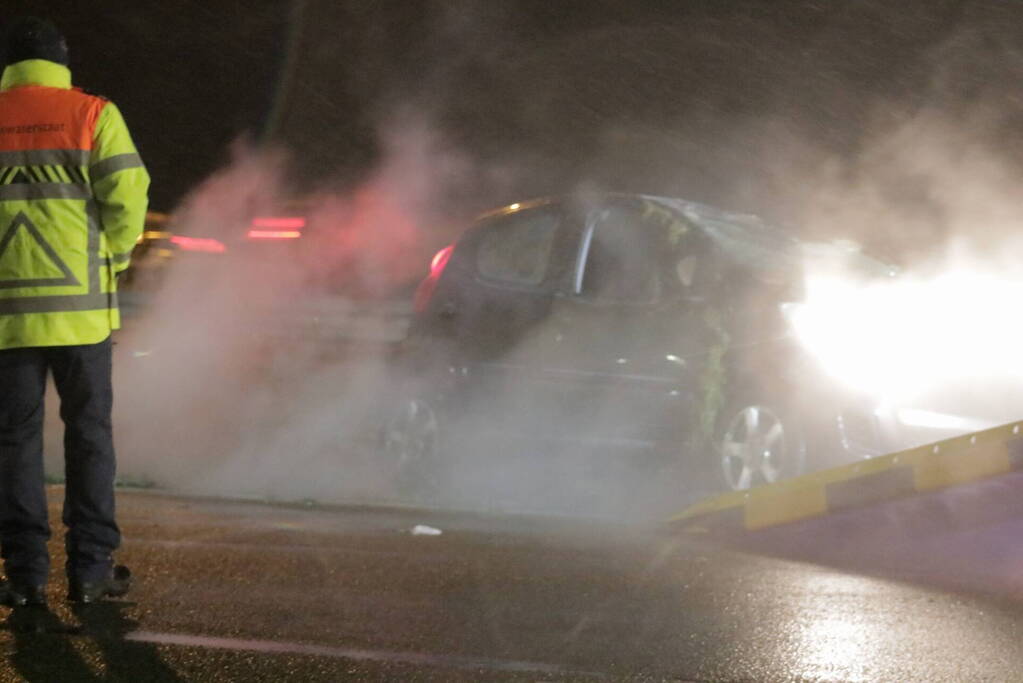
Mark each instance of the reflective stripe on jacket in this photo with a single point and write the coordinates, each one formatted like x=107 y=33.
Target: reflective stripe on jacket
x=73 y=198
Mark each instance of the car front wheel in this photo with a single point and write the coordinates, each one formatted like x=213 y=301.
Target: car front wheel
x=759 y=445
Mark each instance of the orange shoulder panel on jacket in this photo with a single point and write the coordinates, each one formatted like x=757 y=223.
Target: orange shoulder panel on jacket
x=37 y=117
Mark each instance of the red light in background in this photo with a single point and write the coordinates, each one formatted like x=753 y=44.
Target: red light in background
x=206 y=244
x=279 y=223
x=274 y=234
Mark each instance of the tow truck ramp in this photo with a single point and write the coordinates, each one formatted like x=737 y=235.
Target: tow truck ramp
x=948 y=515
x=956 y=462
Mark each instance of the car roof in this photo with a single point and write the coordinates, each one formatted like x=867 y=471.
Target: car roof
x=742 y=237
x=750 y=240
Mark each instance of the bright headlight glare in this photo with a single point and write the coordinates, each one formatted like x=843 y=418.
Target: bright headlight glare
x=899 y=339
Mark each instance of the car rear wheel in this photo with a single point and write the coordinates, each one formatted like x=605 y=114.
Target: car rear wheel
x=759 y=445
x=411 y=443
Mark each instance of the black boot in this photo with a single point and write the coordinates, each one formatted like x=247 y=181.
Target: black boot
x=17 y=594
x=113 y=586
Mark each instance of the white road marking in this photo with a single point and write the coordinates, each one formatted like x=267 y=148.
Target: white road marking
x=414 y=658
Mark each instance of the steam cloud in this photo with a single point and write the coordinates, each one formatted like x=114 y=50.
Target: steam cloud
x=213 y=396
x=261 y=372
x=229 y=394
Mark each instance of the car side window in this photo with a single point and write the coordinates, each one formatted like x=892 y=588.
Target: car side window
x=698 y=270
x=621 y=264
x=516 y=248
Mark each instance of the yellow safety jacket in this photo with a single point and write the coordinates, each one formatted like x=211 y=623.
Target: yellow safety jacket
x=73 y=198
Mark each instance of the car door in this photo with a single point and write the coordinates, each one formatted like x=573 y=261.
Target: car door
x=632 y=345
x=505 y=277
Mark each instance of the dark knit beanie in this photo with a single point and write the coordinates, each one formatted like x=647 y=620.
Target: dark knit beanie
x=33 y=38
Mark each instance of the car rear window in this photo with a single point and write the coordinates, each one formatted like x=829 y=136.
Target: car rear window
x=516 y=248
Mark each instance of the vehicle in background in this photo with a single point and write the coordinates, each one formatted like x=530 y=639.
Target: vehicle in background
x=155 y=251
x=272 y=263
x=643 y=330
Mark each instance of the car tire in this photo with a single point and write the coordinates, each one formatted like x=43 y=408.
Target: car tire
x=411 y=444
x=758 y=443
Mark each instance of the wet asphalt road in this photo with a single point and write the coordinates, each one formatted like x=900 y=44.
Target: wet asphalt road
x=231 y=591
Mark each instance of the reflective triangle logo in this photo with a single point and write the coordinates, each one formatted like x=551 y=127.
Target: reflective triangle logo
x=28 y=260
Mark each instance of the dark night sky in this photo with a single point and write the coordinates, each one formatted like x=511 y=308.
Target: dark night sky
x=189 y=76
x=670 y=96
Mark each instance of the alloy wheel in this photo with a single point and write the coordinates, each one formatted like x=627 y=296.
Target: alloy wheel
x=756 y=448
x=410 y=442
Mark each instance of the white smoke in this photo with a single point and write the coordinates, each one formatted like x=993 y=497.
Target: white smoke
x=214 y=395
x=261 y=371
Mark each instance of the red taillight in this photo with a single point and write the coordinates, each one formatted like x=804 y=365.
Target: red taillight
x=440 y=259
x=206 y=244
x=279 y=222
x=276 y=228
x=429 y=284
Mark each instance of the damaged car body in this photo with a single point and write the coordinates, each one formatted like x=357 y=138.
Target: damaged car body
x=647 y=334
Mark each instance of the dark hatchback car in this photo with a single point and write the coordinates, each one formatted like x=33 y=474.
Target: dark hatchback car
x=619 y=336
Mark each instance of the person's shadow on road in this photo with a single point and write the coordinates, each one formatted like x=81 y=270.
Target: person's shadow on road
x=44 y=647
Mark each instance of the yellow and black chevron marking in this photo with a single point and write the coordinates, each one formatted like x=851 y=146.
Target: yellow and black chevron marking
x=49 y=173
x=961 y=460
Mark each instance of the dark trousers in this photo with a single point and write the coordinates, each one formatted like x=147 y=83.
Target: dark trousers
x=82 y=375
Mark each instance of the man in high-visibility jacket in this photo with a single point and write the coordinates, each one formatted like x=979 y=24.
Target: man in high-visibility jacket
x=73 y=197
